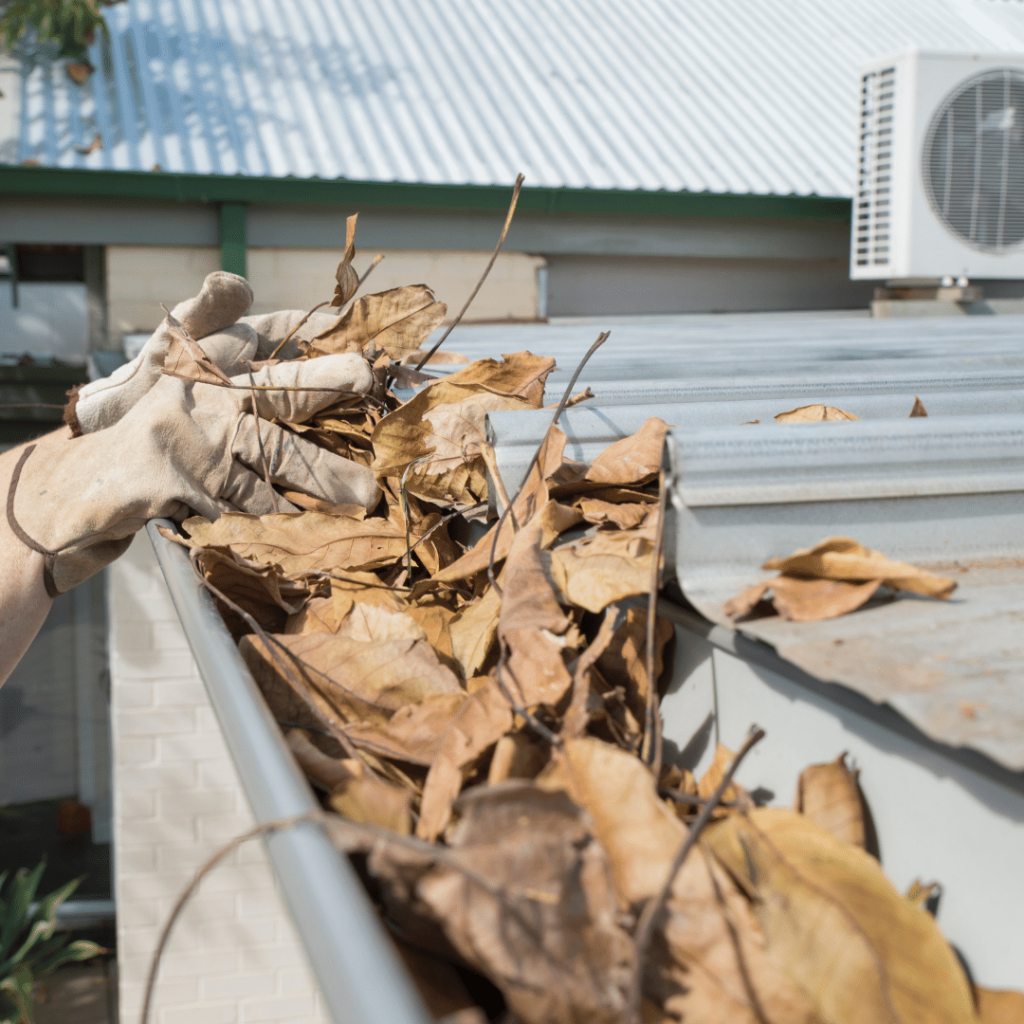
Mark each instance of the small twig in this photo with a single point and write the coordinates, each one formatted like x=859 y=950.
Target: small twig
x=259 y=440
x=370 y=268
x=501 y=241
x=524 y=713
x=656 y=904
x=189 y=891
x=288 y=337
x=601 y=339
x=652 y=725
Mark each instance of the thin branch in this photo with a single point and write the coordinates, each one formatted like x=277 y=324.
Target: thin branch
x=259 y=441
x=601 y=339
x=652 y=725
x=288 y=337
x=189 y=891
x=501 y=241
x=369 y=270
x=656 y=904
x=689 y=799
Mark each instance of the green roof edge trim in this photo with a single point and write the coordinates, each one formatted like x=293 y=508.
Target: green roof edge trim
x=207 y=188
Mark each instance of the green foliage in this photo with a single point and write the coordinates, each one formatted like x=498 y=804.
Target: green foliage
x=71 y=24
x=29 y=949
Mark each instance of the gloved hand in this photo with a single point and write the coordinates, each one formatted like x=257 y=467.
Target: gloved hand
x=182 y=446
x=214 y=319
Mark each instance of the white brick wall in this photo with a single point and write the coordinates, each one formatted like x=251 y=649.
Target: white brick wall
x=234 y=956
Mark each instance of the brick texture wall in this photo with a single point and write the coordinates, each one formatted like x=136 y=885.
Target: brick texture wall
x=234 y=956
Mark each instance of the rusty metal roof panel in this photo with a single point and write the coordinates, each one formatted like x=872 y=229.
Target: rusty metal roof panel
x=944 y=493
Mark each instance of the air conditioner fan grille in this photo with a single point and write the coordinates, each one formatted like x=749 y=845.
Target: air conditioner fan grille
x=973 y=161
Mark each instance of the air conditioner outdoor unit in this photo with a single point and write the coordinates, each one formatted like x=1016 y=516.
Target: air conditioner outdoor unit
x=940 y=177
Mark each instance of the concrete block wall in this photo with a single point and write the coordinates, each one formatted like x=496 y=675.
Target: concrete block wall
x=234 y=956
x=140 y=277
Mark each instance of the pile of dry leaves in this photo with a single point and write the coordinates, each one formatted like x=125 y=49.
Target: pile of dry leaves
x=476 y=698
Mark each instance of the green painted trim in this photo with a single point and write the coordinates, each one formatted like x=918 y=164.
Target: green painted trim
x=203 y=188
x=233 y=243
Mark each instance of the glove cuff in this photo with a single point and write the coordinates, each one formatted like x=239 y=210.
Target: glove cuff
x=70 y=416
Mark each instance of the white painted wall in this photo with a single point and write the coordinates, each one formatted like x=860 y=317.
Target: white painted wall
x=140 y=277
x=234 y=956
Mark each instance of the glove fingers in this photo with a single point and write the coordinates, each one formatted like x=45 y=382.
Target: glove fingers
x=327 y=379
x=248 y=492
x=273 y=328
x=303 y=466
x=221 y=301
x=231 y=348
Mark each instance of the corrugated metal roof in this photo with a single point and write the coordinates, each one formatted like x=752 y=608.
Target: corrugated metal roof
x=738 y=96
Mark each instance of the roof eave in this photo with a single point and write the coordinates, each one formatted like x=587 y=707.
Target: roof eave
x=204 y=188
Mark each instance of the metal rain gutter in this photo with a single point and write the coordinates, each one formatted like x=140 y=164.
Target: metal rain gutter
x=355 y=963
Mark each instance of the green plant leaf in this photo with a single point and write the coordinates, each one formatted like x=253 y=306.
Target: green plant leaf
x=81 y=949
x=23 y=890
x=18 y=989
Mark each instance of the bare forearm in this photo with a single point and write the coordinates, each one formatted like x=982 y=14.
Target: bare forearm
x=24 y=603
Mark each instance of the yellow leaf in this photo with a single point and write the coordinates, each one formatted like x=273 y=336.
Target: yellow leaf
x=834 y=924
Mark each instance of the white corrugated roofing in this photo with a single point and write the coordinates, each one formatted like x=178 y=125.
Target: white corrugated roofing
x=741 y=96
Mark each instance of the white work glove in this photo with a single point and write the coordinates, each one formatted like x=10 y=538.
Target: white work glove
x=209 y=318
x=182 y=446
x=214 y=319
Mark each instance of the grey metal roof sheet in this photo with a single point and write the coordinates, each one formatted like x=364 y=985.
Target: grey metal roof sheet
x=739 y=96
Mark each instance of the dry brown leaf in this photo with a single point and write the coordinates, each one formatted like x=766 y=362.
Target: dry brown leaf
x=836 y=926
x=440 y=987
x=624 y=662
x=919 y=409
x=639 y=833
x=346 y=277
x=709 y=963
x=481 y=721
x=474 y=632
x=624 y=515
x=440 y=432
x=386 y=674
x=397 y=322
x=547 y=932
x=187 y=360
x=304 y=541
x=414 y=733
x=532 y=500
x=633 y=460
x=710 y=780
x=999 y=1006
x=814 y=414
x=920 y=893
x=830 y=796
x=834 y=577
x=374 y=801
x=516 y=756
x=802 y=599
x=595 y=572
x=328 y=771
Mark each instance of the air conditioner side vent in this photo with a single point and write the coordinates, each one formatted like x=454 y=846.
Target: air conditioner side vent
x=871 y=215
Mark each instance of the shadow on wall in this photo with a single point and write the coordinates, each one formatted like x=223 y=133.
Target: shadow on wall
x=614 y=285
